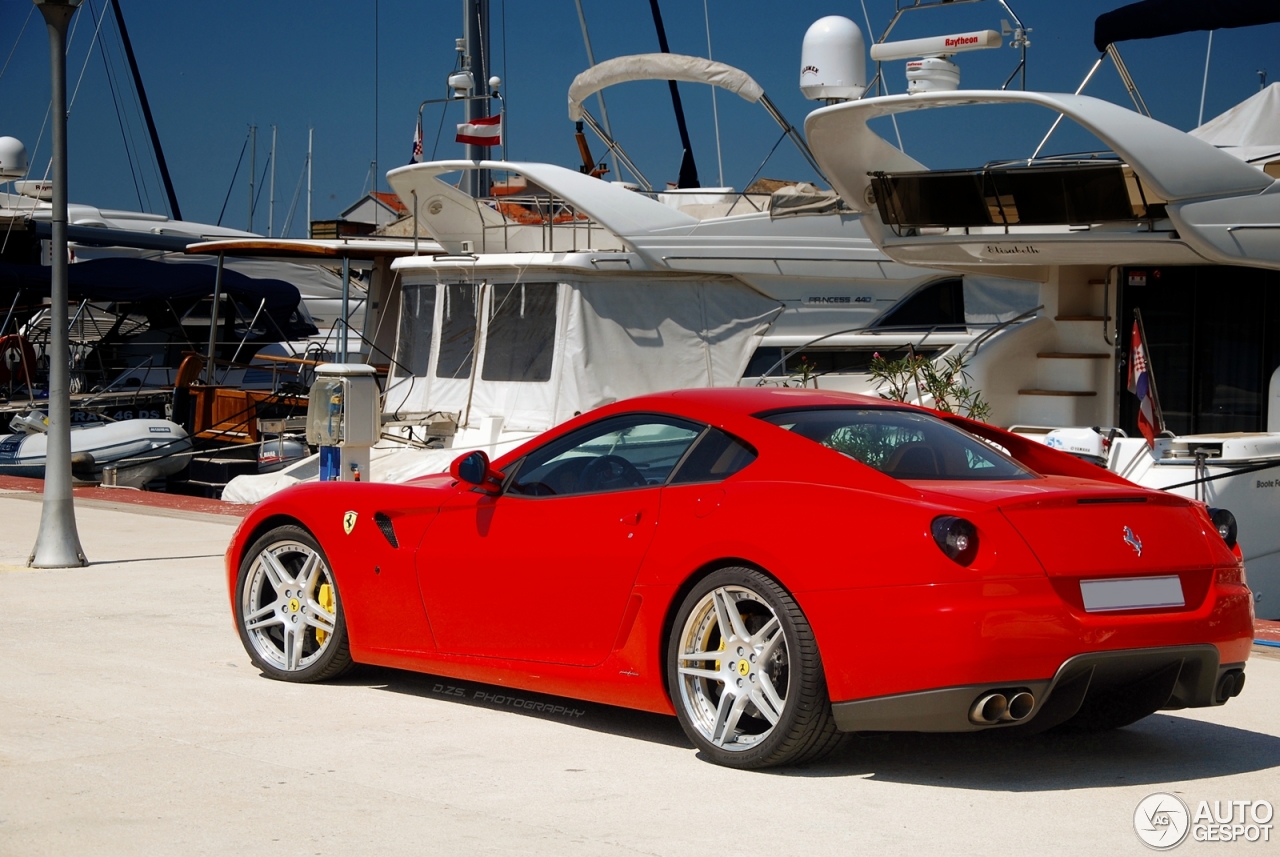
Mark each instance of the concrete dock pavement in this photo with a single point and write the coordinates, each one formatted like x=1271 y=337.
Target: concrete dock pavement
x=132 y=722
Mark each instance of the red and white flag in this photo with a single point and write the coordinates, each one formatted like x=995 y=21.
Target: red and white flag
x=481 y=132
x=1142 y=384
x=416 y=157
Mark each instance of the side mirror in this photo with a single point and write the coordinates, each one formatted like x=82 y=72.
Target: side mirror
x=473 y=469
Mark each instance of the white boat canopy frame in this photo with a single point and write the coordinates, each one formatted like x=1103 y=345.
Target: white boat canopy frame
x=1174 y=164
x=675 y=67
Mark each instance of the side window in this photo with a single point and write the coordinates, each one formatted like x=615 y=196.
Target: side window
x=458 y=332
x=521 y=334
x=417 y=317
x=716 y=456
x=630 y=451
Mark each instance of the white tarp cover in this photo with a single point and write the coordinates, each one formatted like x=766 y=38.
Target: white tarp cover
x=614 y=339
x=659 y=67
x=1252 y=127
x=990 y=300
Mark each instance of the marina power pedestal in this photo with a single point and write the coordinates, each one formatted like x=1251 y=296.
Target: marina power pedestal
x=344 y=420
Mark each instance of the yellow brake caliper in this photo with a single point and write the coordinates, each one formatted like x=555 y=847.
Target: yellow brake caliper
x=326 y=600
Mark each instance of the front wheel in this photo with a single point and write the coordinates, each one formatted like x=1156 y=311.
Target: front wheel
x=745 y=674
x=287 y=608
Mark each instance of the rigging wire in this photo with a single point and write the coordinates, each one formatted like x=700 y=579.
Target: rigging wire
x=18 y=40
x=293 y=206
x=893 y=116
x=506 y=81
x=137 y=105
x=756 y=174
x=87 y=55
x=261 y=182
x=715 y=113
x=239 y=161
x=115 y=101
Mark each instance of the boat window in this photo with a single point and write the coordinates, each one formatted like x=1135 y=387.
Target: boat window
x=939 y=304
x=629 y=451
x=823 y=360
x=715 y=456
x=457 y=331
x=1213 y=339
x=417 y=318
x=520 y=339
x=900 y=443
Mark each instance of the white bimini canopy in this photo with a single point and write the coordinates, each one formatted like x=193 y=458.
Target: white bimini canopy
x=659 y=67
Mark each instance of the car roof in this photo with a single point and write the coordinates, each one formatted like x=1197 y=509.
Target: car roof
x=753 y=400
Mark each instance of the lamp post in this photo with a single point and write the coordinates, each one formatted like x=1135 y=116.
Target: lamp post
x=58 y=543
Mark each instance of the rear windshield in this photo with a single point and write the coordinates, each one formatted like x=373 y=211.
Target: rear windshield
x=902 y=444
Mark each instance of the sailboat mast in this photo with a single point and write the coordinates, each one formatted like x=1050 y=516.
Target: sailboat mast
x=271 y=204
x=253 y=158
x=476 y=60
x=146 y=112
x=688 y=169
x=310 y=133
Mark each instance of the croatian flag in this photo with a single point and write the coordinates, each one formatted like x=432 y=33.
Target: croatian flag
x=416 y=157
x=481 y=132
x=1142 y=385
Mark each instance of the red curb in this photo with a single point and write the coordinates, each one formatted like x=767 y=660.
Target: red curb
x=151 y=499
x=1264 y=629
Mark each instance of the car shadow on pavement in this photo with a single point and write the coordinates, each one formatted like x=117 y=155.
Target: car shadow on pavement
x=1160 y=749
x=624 y=722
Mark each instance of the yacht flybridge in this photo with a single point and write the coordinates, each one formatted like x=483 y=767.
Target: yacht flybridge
x=1181 y=227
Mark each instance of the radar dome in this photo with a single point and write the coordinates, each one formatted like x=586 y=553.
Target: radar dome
x=833 y=62
x=13 y=158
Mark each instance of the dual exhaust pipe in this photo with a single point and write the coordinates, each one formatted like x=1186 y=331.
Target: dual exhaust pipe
x=991 y=708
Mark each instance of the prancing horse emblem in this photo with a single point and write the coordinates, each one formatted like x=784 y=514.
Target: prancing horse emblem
x=1129 y=538
x=349 y=524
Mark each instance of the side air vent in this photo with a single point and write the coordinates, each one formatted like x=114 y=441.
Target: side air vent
x=384 y=524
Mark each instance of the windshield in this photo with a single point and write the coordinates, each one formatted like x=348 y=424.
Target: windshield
x=902 y=444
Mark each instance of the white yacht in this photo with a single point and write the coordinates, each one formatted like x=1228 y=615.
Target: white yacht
x=1179 y=226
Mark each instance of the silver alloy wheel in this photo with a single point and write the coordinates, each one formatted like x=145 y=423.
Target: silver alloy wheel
x=733 y=668
x=289 y=605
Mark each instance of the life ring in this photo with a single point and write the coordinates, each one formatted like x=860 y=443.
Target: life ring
x=17 y=360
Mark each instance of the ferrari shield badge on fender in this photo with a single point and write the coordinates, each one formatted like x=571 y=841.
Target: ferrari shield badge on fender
x=349 y=522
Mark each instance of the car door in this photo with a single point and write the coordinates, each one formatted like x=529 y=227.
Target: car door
x=543 y=571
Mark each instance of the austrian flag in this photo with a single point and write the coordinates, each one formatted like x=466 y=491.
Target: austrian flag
x=1142 y=384
x=481 y=132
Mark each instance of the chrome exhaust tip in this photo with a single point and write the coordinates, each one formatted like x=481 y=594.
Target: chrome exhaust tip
x=989 y=708
x=1020 y=707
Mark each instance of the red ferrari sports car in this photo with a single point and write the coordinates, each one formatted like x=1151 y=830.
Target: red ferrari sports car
x=776 y=567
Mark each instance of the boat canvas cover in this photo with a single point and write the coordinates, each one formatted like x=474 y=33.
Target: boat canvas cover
x=1154 y=18
x=659 y=67
x=1251 y=129
x=142 y=280
x=613 y=340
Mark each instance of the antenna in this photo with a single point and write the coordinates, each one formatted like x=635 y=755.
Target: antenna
x=1262 y=79
x=934 y=72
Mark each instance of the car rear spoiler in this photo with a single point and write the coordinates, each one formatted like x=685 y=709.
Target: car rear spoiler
x=1042 y=459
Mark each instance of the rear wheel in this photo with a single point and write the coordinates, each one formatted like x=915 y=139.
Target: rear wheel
x=287 y=608
x=745 y=674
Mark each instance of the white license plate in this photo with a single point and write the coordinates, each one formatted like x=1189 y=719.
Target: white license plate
x=1132 y=593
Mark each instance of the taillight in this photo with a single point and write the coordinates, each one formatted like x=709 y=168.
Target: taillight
x=1226 y=524
x=1232 y=576
x=956 y=537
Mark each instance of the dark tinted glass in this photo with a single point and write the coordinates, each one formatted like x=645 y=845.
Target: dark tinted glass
x=631 y=451
x=457 y=331
x=902 y=444
x=938 y=304
x=824 y=360
x=417 y=317
x=716 y=456
x=521 y=335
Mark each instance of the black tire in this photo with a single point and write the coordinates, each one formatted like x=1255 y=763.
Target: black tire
x=287 y=619
x=804 y=730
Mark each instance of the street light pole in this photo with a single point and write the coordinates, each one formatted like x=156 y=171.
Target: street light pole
x=58 y=543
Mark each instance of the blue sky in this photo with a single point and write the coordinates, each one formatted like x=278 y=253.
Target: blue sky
x=212 y=69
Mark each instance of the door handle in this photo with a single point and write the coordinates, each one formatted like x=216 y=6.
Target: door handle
x=632 y=519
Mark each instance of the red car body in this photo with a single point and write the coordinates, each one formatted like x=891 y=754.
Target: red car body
x=575 y=595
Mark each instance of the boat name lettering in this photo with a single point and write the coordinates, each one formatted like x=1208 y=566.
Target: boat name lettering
x=1262 y=483
x=1012 y=249
x=160 y=430
x=838 y=299
x=9 y=447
